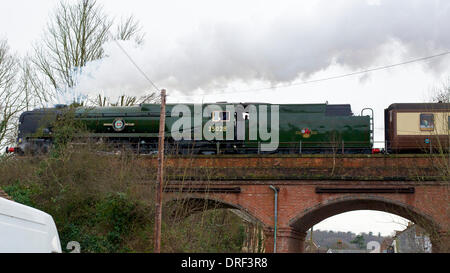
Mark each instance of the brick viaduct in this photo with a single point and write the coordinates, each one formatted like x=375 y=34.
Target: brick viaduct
x=313 y=188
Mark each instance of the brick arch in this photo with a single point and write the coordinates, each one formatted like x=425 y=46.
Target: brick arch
x=311 y=216
x=198 y=203
x=303 y=221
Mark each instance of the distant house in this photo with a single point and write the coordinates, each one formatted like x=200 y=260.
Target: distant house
x=342 y=248
x=412 y=240
x=373 y=247
x=386 y=246
x=347 y=250
x=311 y=247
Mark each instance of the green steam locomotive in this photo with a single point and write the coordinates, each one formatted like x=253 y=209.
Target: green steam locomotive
x=216 y=128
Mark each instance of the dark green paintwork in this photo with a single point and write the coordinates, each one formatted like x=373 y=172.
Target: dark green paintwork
x=354 y=131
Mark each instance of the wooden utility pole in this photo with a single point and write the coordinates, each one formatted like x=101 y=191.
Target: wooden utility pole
x=160 y=178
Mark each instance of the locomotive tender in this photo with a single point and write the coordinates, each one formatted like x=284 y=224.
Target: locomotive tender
x=301 y=128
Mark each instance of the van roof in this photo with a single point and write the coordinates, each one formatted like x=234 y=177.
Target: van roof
x=22 y=212
x=26 y=229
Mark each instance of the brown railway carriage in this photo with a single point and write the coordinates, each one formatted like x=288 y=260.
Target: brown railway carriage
x=417 y=127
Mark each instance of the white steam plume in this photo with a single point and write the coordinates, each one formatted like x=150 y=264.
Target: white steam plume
x=279 y=48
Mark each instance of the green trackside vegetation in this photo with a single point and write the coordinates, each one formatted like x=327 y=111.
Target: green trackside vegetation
x=106 y=203
x=101 y=203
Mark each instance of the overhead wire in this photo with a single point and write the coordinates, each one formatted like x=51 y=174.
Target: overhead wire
x=283 y=85
x=368 y=70
x=128 y=55
x=137 y=66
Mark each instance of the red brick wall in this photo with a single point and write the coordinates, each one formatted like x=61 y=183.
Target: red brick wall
x=300 y=207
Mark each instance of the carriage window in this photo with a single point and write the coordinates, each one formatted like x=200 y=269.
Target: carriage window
x=426 y=122
x=220 y=116
x=448 y=124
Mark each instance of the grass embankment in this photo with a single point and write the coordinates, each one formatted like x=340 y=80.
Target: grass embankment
x=107 y=205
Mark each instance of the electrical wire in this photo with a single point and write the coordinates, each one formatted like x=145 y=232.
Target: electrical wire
x=137 y=67
x=283 y=85
x=328 y=78
x=127 y=55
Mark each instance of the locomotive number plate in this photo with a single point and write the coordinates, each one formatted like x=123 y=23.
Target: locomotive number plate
x=217 y=128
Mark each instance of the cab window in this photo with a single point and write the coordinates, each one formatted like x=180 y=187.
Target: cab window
x=220 y=116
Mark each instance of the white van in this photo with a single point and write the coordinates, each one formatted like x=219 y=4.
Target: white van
x=26 y=229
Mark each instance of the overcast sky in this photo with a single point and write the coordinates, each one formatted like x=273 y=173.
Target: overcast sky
x=202 y=50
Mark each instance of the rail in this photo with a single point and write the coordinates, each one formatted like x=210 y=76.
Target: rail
x=239 y=147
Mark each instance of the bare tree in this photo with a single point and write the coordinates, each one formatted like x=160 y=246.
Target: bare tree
x=442 y=93
x=129 y=29
x=11 y=99
x=32 y=85
x=75 y=35
x=124 y=100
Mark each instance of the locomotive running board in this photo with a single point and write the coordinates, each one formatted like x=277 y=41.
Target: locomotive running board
x=408 y=190
x=203 y=190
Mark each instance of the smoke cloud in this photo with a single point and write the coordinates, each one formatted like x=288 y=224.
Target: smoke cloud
x=278 y=48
